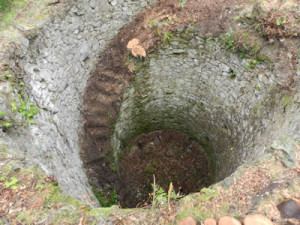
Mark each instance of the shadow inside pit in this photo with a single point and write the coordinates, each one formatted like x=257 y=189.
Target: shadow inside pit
x=170 y=156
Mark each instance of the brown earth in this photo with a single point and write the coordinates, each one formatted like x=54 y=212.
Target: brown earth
x=168 y=155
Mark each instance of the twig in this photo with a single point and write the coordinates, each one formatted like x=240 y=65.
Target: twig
x=169 y=196
x=154 y=190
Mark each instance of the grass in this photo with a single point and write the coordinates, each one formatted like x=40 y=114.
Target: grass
x=17 y=16
x=8 y=10
x=22 y=106
x=106 y=199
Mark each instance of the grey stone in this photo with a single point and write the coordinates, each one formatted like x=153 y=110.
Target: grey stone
x=55 y=76
x=287 y=146
x=232 y=111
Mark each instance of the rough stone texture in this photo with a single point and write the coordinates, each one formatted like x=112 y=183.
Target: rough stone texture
x=196 y=87
x=210 y=222
x=187 y=221
x=228 y=220
x=257 y=220
x=56 y=61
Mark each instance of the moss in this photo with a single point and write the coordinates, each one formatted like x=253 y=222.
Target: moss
x=195 y=212
x=287 y=101
x=208 y=194
x=68 y=215
x=102 y=212
x=257 y=109
x=150 y=170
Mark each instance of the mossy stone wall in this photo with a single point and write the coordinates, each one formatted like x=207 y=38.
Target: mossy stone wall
x=197 y=87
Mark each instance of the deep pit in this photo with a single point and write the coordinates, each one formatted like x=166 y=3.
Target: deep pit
x=195 y=112
x=188 y=87
x=167 y=156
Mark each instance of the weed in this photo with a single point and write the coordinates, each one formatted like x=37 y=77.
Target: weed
x=108 y=116
x=113 y=167
x=24 y=107
x=241 y=42
x=233 y=74
x=13 y=107
x=150 y=170
x=158 y=32
x=112 y=126
x=252 y=63
x=167 y=37
x=257 y=87
x=182 y=3
x=153 y=23
x=229 y=40
x=160 y=197
x=106 y=200
x=8 y=9
x=6 y=124
x=208 y=194
x=280 y=21
x=6 y=75
x=13 y=183
x=27 y=109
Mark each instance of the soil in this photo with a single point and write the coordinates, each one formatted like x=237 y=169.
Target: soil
x=170 y=156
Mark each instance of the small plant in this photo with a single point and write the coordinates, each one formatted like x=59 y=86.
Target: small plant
x=167 y=37
x=280 y=21
x=160 y=197
x=252 y=63
x=233 y=74
x=182 y=3
x=27 y=109
x=150 y=170
x=158 y=32
x=6 y=75
x=13 y=106
x=153 y=23
x=13 y=183
x=241 y=42
x=109 y=117
x=6 y=124
x=208 y=194
x=106 y=200
x=229 y=39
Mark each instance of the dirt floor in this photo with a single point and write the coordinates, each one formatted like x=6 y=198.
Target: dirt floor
x=168 y=155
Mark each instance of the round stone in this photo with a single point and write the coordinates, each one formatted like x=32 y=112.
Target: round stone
x=257 y=220
x=228 y=220
x=187 y=221
x=210 y=222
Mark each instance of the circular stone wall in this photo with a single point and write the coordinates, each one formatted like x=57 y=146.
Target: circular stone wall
x=196 y=87
x=192 y=85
